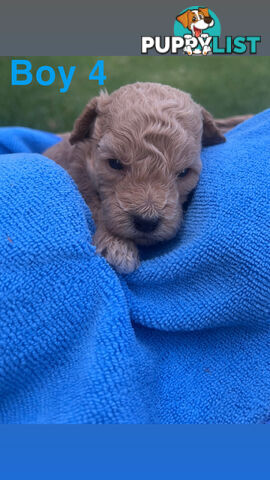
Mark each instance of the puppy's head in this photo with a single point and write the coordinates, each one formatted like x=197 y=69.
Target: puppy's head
x=144 y=156
x=196 y=20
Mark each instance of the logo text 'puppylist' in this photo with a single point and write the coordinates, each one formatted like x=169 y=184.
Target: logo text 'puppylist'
x=197 y=32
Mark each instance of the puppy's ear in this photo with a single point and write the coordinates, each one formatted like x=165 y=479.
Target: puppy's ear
x=211 y=133
x=204 y=11
x=183 y=18
x=84 y=125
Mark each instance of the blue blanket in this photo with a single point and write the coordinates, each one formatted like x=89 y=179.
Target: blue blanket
x=184 y=339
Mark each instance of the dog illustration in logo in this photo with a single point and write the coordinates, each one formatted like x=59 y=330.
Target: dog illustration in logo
x=196 y=21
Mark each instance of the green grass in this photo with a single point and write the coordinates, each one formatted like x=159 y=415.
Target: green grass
x=224 y=85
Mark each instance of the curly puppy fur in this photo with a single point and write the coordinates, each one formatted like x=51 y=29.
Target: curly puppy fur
x=135 y=156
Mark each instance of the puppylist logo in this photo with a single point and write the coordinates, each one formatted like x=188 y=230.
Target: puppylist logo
x=197 y=31
x=197 y=26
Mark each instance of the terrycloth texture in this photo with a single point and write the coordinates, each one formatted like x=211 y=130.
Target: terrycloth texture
x=25 y=140
x=185 y=339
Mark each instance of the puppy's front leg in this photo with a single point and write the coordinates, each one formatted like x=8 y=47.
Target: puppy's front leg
x=121 y=253
x=188 y=49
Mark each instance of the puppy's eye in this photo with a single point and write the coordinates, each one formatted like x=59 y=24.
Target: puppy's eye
x=183 y=173
x=194 y=19
x=115 y=164
x=200 y=17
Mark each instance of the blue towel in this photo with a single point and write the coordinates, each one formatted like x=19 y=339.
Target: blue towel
x=184 y=339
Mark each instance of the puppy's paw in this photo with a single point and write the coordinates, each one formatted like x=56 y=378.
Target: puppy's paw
x=206 y=50
x=122 y=254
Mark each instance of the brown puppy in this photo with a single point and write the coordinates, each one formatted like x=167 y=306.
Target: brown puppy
x=135 y=157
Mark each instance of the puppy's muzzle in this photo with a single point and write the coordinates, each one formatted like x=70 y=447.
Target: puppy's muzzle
x=145 y=224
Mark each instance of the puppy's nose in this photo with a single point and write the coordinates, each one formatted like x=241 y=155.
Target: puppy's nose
x=144 y=224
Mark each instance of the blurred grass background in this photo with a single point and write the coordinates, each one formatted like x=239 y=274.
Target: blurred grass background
x=224 y=85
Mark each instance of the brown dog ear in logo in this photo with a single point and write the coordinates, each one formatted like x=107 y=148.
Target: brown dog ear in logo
x=204 y=11
x=183 y=18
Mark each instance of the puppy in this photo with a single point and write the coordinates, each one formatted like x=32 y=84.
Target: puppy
x=196 y=21
x=135 y=157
